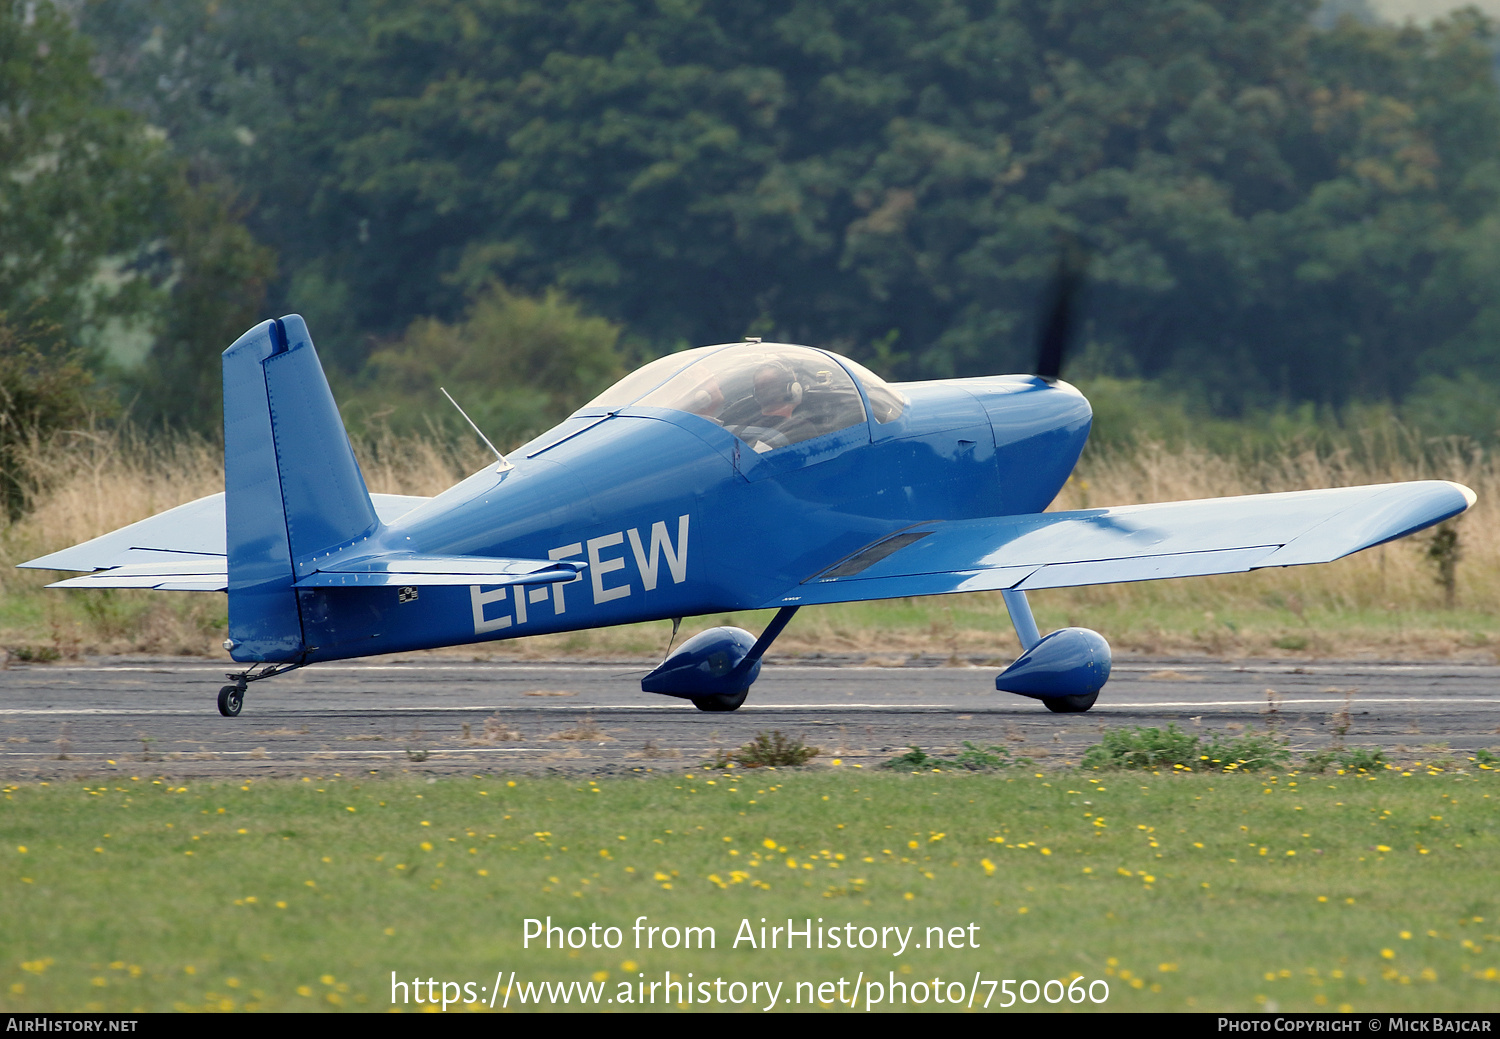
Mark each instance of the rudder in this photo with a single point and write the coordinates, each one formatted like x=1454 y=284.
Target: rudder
x=293 y=489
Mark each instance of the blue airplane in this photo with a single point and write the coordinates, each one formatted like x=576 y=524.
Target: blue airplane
x=744 y=476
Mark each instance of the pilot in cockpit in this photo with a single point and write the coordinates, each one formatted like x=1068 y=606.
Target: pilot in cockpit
x=778 y=395
x=778 y=392
x=769 y=397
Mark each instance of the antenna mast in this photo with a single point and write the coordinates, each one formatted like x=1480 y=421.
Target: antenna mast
x=504 y=465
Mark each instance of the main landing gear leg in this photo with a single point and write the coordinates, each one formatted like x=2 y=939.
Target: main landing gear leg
x=232 y=697
x=750 y=666
x=1065 y=670
x=716 y=668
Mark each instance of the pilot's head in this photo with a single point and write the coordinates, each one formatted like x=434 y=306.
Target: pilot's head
x=777 y=390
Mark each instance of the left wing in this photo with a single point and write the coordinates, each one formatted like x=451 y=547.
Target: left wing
x=1131 y=542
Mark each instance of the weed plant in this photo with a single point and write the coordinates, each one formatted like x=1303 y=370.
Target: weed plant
x=915 y=758
x=1356 y=759
x=1252 y=752
x=986 y=759
x=972 y=758
x=1136 y=747
x=768 y=750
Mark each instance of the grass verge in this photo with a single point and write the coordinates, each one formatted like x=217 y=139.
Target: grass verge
x=1209 y=892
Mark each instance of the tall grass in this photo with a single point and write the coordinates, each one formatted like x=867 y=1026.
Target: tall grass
x=1379 y=589
x=1385 y=601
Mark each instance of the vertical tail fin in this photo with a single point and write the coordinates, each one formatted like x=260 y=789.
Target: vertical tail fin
x=292 y=487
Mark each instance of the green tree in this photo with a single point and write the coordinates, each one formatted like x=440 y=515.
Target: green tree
x=106 y=235
x=45 y=390
x=517 y=364
x=239 y=88
x=79 y=181
x=1274 y=208
x=216 y=289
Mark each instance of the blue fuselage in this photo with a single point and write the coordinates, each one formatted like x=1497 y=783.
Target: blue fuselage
x=675 y=516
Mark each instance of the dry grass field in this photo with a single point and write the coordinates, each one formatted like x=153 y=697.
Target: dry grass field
x=1389 y=602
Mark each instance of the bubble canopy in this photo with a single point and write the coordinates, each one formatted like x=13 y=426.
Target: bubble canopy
x=770 y=395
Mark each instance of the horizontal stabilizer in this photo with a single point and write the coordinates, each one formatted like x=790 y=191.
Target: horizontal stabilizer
x=190 y=532
x=196 y=528
x=207 y=574
x=1132 y=542
x=418 y=570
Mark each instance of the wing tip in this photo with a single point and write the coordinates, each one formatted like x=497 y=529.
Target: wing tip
x=1469 y=496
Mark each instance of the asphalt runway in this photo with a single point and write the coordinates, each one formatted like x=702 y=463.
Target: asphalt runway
x=133 y=716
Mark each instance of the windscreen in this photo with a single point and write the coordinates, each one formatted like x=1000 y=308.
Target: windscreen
x=647 y=377
x=768 y=395
x=885 y=403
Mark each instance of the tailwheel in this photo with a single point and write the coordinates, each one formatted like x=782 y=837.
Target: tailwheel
x=231 y=699
x=1070 y=704
x=721 y=701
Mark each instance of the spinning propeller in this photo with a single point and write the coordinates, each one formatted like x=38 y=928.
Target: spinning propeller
x=1055 y=337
